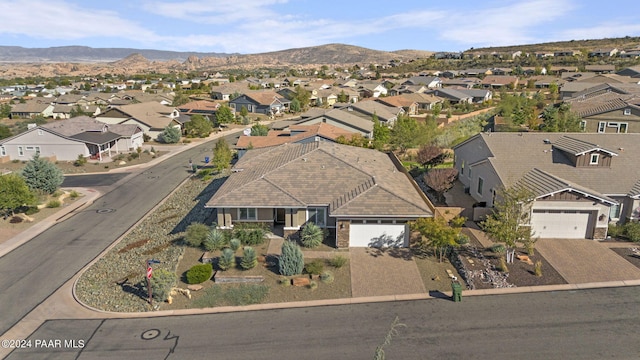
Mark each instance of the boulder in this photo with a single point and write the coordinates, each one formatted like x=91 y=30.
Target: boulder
x=195 y=287
x=122 y=162
x=301 y=281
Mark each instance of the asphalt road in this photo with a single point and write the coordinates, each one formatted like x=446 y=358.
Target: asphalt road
x=93 y=180
x=32 y=272
x=586 y=324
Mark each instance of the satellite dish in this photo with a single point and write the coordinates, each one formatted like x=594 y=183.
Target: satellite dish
x=246 y=132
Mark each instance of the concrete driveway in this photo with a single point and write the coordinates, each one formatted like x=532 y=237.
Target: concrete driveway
x=390 y=272
x=586 y=261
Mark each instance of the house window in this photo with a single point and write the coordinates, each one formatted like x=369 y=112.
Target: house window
x=622 y=128
x=480 y=185
x=3 y=151
x=37 y=149
x=583 y=125
x=317 y=216
x=594 y=159
x=462 y=168
x=627 y=111
x=30 y=148
x=40 y=132
x=20 y=151
x=614 y=211
x=601 y=126
x=247 y=214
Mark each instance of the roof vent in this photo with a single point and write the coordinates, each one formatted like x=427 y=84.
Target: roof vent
x=546 y=141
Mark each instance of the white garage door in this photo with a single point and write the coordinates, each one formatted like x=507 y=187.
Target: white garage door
x=561 y=225
x=378 y=235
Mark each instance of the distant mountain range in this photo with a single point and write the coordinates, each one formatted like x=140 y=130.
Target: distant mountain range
x=89 y=54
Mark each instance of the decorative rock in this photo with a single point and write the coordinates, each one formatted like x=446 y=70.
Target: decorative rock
x=122 y=162
x=315 y=277
x=195 y=287
x=170 y=299
x=152 y=153
x=262 y=259
x=301 y=281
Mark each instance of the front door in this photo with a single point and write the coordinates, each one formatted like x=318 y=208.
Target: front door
x=279 y=216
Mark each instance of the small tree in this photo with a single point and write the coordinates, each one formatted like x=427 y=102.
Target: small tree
x=511 y=212
x=196 y=234
x=440 y=180
x=5 y=132
x=42 y=175
x=227 y=259
x=436 y=235
x=224 y=115
x=222 y=155
x=259 y=130
x=381 y=133
x=161 y=283
x=249 y=258
x=198 y=126
x=170 y=135
x=291 y=261
x=312 y=235
x=14 y=193
x=430 y=155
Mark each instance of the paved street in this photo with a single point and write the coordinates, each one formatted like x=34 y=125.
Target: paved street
x=33 y=271
x=587 y=324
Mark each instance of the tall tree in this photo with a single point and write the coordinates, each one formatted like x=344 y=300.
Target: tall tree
x=408 y=133
x=505 y=224
x=198 y=126
x=170 y=135
x=560 y=119
x=42 y=175
x=222 y=155
x=381 y=133
x=224 y=115
x=14 y=193
x=180 y=99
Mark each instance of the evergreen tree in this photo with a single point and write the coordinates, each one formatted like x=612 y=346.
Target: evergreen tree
x=291 y=261
x=170 y=135
x=42 y=175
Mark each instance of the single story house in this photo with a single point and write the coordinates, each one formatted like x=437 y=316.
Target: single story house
x=31 y=109
x=608 y=112
x=580 y=182
x=363 y=197
x=152 y=117
x=261 y=102
x=65 y=140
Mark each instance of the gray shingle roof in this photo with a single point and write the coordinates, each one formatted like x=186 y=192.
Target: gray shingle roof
x=351 y=181
x=541 y=183
x=578 y=147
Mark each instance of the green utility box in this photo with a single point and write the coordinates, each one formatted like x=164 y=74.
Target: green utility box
x=457 y=291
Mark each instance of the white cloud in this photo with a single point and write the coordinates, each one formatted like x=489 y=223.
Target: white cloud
x=508 y=25
x=62 y=20
x=214 y=12
x=603 y=30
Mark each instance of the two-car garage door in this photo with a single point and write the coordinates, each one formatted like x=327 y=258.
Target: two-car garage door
x=560 y=224
x=378 y=235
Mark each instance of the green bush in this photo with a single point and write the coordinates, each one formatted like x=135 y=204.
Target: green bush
x=457 y=221
x=215 y=240
x=632 y=231
x=462 y=239
x=312 y=235
x=291 y=260
x=196 y=234
x=538 y=268
x=250 y=236
x=199 y=273
x=227 y=259
x=74 y=194
x=134 y=155
x=313 y=285
x=316 y=267
x=498 y=249
x=249 y=258
x=53 y=204
x=327 y=277
x=80 y=161
x=338 y=261
x=170 y=135
x=235 y=244
x=161 y=283
x=615 y=231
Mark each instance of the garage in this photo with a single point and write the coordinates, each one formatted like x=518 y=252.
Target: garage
x=378 y=235
x=560 y=224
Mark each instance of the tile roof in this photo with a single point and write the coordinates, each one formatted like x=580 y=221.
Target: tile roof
x=578 y=147
x=151 y=113
x=542 y=184
x=515 y=154
x=598 y=104
x=275 y=138
x=266 y=97
x=80 y=124
x=352 y=181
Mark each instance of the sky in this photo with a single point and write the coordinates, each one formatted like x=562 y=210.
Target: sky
x=255 y=26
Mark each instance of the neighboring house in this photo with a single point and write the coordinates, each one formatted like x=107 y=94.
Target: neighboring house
x=152 y=117
x=371 y=89
x=200 y=107
x=430 y=82
x=294 y=134
x=65 y=140
x=499 y=81
x=461 y=82
x=633 y=72
x=363 y=197
x=408 y=104
x=608 y=112
x=31 y=109
x=344 y=119
x=603 y=52
x=367 y=109
x=559 y=53
x=581 y=182
x=61 y=111
x=261 y=102
x=455 y=96
x=601 y=69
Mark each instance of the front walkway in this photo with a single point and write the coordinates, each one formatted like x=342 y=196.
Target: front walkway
x=586 y=261
x=389 y=272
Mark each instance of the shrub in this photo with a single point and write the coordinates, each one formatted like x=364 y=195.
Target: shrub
x=246 y=294
x=338 y=261
x=457 y=221
x=170 y=135
x=284 y=281
x=615 y=231
x=196 y=234
x=313 y=285
x=462 y=239
x=327 y=277
x=80 y=161
x=316 y=267
x=250 y=236
x=249 y=258
x=53 y=204
x=538 y=268
x=227 y=259
x=57 y=193
x=214 y=241
x=199 y=273
x=503 y=265
x=291 y=260
x=235 y=244
x=161 y=283
x=312 y=235
x=74 y=194
x=134 y=155
x=632 y=231
x=498 y=249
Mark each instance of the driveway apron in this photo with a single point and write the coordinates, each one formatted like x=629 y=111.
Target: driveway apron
x=582 y=261
x=377 y=272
